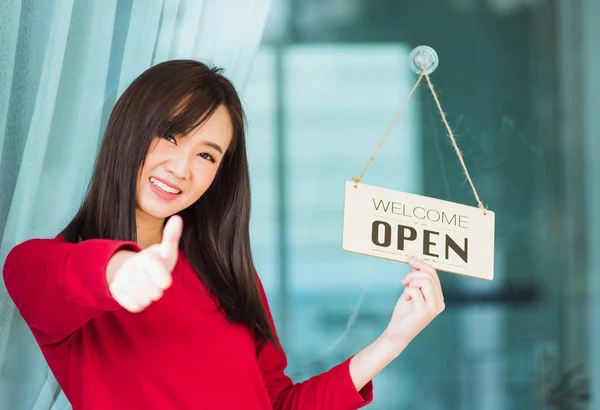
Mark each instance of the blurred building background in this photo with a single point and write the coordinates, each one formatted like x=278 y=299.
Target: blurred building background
x=519 y=81
x=321 y=82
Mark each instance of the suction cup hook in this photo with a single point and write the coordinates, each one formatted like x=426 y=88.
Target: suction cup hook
x=423 y=56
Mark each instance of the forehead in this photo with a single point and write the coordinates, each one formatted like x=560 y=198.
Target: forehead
x=218 y=129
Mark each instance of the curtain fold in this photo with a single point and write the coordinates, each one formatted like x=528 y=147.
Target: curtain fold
x=63 y=64
x=10 y=12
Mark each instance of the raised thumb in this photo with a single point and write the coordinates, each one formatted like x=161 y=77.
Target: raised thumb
x=169 y=245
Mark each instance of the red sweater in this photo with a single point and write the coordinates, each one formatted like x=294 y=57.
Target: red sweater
x=179 y=353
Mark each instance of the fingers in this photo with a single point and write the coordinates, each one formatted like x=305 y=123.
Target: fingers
x=143 y=291
x=431 y=293
x=424 y=267
x=124 y=299
x=428 y=282
x=169 y=246
x=160 y=277
x=406 y=281
x=415 y=295
x=140 y=282
x=415 y=274
x=427 y=289
x=147 y=291
x=420 y=265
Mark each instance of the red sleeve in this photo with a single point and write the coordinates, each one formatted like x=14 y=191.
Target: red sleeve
x=59 y=286
x=332 y=390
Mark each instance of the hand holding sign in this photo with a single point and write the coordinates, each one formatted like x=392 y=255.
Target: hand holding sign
x=137 y=279
x=421 y=301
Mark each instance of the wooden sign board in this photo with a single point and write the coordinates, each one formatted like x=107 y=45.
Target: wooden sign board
x=396 y=225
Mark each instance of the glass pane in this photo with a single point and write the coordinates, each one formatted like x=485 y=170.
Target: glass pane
x=513 y=80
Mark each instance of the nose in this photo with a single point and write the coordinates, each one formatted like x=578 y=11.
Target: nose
x=179 y=166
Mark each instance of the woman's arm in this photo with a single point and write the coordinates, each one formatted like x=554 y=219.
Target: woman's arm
x=348 y=385
x=332 y=390
x=59 y=286
x=370 y=361
x=421 y=301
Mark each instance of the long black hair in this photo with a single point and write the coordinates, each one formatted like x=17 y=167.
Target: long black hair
x=174 y=98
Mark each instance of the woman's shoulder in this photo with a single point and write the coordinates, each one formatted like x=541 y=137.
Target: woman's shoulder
x=55 y=250
x=41 y=241
x=37 y=240
x=59 y=243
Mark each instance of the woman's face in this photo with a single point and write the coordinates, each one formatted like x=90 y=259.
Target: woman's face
x=177 y=171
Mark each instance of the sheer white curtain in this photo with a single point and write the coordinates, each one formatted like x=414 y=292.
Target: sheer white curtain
x=63 y=63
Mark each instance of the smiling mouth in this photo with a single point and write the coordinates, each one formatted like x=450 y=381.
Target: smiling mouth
x=164 y=187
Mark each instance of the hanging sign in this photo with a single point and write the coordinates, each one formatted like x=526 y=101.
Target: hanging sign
x=396 y=225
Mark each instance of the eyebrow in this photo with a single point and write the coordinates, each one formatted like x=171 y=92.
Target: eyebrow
x=214 y=145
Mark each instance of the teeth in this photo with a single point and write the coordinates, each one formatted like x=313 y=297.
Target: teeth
x=164 y=187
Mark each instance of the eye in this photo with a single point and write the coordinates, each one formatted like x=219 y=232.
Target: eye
x=171 y=139
x=207 y=156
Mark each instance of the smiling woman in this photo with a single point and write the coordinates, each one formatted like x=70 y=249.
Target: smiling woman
x=149 y=298
x=169 y=125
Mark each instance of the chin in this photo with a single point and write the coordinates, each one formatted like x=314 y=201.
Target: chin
x=158 y=211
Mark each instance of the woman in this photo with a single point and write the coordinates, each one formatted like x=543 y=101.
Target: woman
x=149 y=299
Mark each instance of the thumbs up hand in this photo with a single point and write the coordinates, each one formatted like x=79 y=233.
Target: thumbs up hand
x=136 y=279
